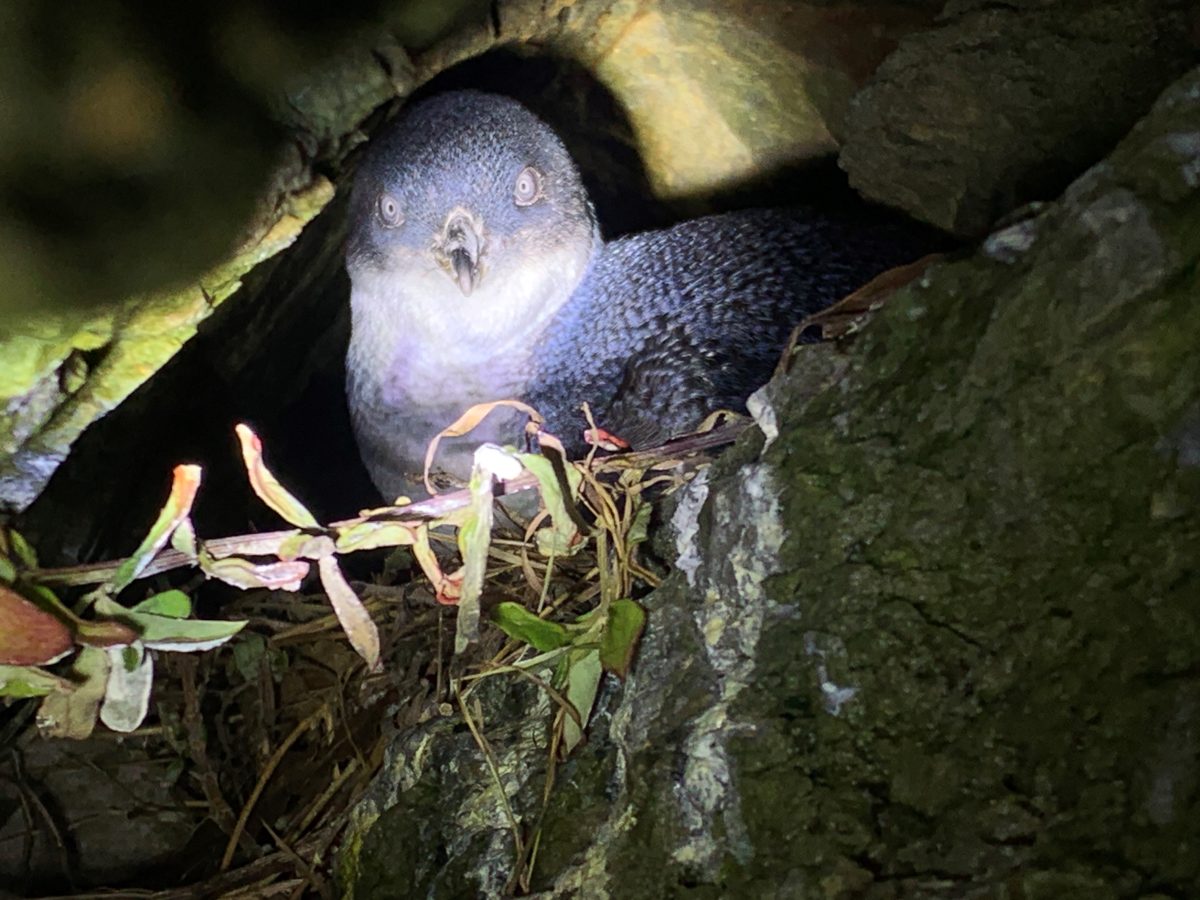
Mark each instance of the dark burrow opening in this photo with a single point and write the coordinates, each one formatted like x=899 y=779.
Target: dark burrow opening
x=272 y=354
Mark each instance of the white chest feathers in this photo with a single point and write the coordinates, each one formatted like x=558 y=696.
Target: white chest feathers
x=417 y=341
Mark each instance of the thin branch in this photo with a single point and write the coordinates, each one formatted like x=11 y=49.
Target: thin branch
x=672 y=454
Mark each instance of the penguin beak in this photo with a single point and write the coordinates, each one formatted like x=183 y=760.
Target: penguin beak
x=459 y=249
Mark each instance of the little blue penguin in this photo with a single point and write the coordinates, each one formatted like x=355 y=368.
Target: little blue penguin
x=478 y=273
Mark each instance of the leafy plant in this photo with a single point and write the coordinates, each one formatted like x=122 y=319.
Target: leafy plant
x=111 y=673
x=603 y=640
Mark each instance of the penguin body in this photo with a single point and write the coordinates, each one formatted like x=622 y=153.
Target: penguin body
x=670 y=325
x=478 y=273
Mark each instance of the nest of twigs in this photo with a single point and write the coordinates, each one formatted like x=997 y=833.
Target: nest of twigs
x=271 y=740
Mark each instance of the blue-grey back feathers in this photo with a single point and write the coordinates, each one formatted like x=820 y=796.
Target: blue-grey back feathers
x=478 y=274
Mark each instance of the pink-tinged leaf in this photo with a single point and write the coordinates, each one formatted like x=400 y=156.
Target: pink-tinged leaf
x=446 y=588
x=267 y=486
x=73 y=714
x=184 y=484
x=546 y=439
x=466 y=423
x=852 y=311
x=104 y=633
x=241 y=573
x=30 y=636
x=353 y=616
x=605 y=440
x=48 y=600
x=448 y=591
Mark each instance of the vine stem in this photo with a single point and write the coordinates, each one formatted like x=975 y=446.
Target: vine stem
x=269 y=543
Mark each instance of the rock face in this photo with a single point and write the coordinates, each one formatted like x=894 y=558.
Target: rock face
x=700 y=82
x=58 y=376
x=1002 y=104
x=937 y=637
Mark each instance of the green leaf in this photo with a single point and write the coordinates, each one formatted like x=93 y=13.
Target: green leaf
x=622 y=632
x=639 y=528
x=248 y=655
x=292 y=546
x=73 y=714
x=522 y=625
x=583 y=681
x=184 y=484
x=560 y=539
x=474 y=538
x=8 y=572
x=369 y=535
x=169 y=603
x=27 y=681
x=21 y=549
x=544 y=660
x=183 y=539
x=169 y=633
x=49 y=601
x=184 y=635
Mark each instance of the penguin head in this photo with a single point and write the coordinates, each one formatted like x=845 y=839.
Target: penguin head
x=471 y=200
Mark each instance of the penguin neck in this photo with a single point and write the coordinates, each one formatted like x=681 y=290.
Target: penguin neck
x=416 y=338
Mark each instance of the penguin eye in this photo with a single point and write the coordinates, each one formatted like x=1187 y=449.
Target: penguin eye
x=528 y=189
x=389 y=211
